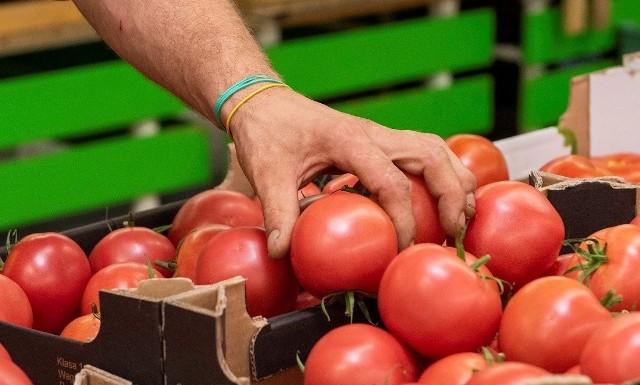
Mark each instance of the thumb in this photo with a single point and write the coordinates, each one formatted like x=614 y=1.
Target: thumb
x=281 y=211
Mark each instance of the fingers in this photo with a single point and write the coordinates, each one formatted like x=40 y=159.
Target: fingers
x=281 y=211
x=384 y=180
x=445 y=176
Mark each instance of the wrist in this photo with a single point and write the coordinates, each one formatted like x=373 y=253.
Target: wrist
x=233 y=99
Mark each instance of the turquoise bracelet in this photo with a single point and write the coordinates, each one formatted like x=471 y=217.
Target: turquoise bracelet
x=246 y=82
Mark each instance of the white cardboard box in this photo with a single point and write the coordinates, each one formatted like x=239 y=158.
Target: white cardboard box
x=604 y=109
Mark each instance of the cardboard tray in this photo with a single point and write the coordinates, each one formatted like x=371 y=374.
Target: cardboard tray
x=588 y=205
x=170 y=331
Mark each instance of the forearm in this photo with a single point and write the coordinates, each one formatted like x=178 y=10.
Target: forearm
x=194 y=48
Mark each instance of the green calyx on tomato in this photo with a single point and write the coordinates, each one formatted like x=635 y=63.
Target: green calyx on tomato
x=591 y=258
x=594 y=256
x=351 y=298
x=481 y=261
x=12 y=239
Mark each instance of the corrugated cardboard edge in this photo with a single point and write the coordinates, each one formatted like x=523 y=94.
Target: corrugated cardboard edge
x=238 y=331
x=544 y=182
x=90 y=375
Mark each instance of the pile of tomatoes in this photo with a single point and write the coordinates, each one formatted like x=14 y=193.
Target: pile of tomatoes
x=497 y=305
x=624 y=165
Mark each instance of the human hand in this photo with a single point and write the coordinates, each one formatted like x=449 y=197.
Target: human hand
x=283 y=140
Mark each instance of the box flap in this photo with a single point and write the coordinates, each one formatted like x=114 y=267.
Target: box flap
x=589 y=205
x=90 y=375
x=603 y=109
x=208 y=334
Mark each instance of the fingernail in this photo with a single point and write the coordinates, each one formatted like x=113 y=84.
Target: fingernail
x=272 y=241
x=470 y=208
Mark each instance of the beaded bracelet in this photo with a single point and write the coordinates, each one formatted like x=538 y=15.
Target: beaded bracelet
x=243 y=83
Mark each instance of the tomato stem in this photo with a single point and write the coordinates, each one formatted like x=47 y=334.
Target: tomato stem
x=12 y=239
x=460 y=242
x=480 y=261
x=351 y=298
x=129 y=222
x=299 y=362
x=94 y=311
x=357 y=189
x=170 y=265
x=593 y=255
x=150 y=270
x=161 y=229
x=610 y=299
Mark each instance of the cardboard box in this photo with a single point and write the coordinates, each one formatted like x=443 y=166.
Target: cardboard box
x=129 y=343
x=528 y=152
x=170 y=331
x=603 y=109
x=589 y=205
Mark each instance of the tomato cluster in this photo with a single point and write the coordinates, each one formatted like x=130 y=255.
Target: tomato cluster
x=502 y=307
x=498 y=305
x=624 y=165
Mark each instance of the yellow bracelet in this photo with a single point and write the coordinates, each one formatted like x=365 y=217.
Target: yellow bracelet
x=246 y=98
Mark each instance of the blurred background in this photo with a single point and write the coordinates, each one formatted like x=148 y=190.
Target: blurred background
x=85 y=137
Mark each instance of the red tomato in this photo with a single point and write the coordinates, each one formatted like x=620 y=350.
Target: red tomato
x=636 y=221
x=575 y=166
x=4 y=353
x=561 y=265
x=271 y=286
x=508 y=373
x=454 y=369
x=625 y=165
x=518 y=227
x=425 y=212
x=339 y=182
x=341 y=242
x=548 y=321
x=433 y=301
x=121 y=275
x=52 y=270
x=215 y=206
x=481 y=156
x=191 y=246
x=574 y=370
x=619 y=269
x=12 y=374
x=305 y=300
x=14 y=306
x=611 y=353
x=132 y=244
x=84 y=328
x=359 y=354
